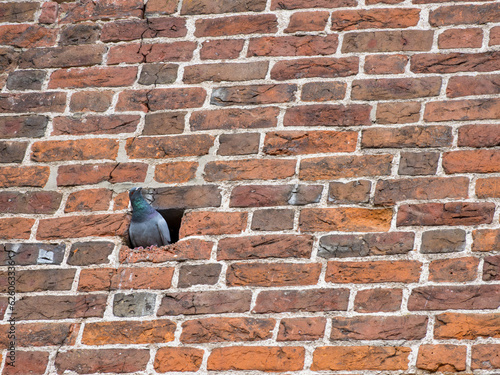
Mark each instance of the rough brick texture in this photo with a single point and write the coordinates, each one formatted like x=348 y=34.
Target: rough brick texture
x=329 y=170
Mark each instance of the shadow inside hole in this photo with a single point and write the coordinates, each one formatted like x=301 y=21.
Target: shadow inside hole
x=173 y=217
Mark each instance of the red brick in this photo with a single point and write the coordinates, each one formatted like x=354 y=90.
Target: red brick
x=488 y=187
x=160 y=99
x=160 y=7
x=383 y=18
x=455 y=62
x=88 y=10
x=465 y=14
x=486 y=240
x=479 y=85
x=108 y=124
x=395 y=88
x=442 y=358
x=407 y=327
x=453 y=270
x=41 y=334
x=298 y=4
x=324 y=67
x=377 y=300
x=466 y=326
x=461 y=38
x=225 y=72
x=87 y=174
x=33 y=102
x=178 y=359
x=232 y=25
x=385 y=64
x=234 y=118
x=388 y=41
x=32 y=202
x=87 y=361
x=312 y=300
x=275 y=195
x=33 y=363
x=184 y=197
x=253 y=95
x=148 y=53
x=221 y=49
x=301 y=329
x=35 y=176
x=32 y=126
x=18 y=12
x=169 y=146
x=328 y=115
x=226 y=329
x=239 y=144
x=390 y=192
x=198 y=223
x=402 y=271
x=128 y=332
x=494 y=36
x=301 y=45
x=93 y=77
x=40 y=280
x=250 y=169
x=491 y=268
x=125 y=278
x=486 y=356
x=307 y=21
x=80 y=149
x=192 y=249
x=398 y=112
x=62 y=57
x=313 y=142
x=479 y=136
x=91 y=101
x=162 y=123
x=48 y=13
x=472 y=161
x=272 y=274
x=27 y=36
x=16 y=228
x=459 y=213
x=157 y=27
x=176 y=172
x=83 y=226
x=466 y=297
x=268 y=246
x=323 y=91
x=385 y=358
x=460 y=110
x=273 y=358
x=330 y=167
x=219 y=6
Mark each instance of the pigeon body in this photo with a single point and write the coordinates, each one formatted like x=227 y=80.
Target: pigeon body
x=148 y=227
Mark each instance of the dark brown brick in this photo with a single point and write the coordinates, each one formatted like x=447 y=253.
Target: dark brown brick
x=32 y=202
x=203 y=274
x=398 y=112
x=34 y=363
x=418 y=163
x=225 y=72
x=253 y=95
x=407 y=136
x=273 y=219
x=275 y=195
x=169 y=146
x=156 y=27
x=153 y=74
x=301 y=329
x=238 y=144
x=325 y=67
x=61 y=307
x=62 y=57
x=33 y=102
x=41 y=334
x=132 y=53
x=109 y=124
x=232 y=25
x=300 y=45
x=221 y=49
x=490 y=268
x=87 y=174
x=187 y=197
x=235 y=118
x=134 y=304
x=465 y=14
x=18 y=12
x=12 y=151
x=395 y=88
x=26 y=80
x=80 y=34
x=23 y=126
x=164 y=123
x=377 y=300
x=298 y=4
x=40 y=280
x=443 y=241
x=349 y=192
x=323 y=91
x=328 y=115
x=91 y=101
x=385 y=64
x=388 y=41
x=88 y=253
x=32 y=253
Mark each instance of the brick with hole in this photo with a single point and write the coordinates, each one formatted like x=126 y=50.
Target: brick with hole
x=198 y=223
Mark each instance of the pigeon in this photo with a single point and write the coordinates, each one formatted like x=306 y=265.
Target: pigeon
x=148 y=227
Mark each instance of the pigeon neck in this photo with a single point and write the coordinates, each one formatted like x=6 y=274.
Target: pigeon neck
x=140 y=205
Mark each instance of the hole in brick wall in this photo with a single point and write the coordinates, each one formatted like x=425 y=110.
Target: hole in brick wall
x=173 y=217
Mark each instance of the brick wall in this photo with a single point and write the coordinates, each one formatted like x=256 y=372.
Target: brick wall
x=337 y=162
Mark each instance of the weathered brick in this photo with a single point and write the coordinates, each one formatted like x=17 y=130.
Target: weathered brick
x=86 y=174
x=212 y=223
x=41 y=334
x=33 y=202
x=225 y=72
x=490 y=268
x=80 y=149
x=133 y=304
x=466 y=326
x=324 y=67
x=203 y=274
x=33 y=363
x=388 y=41
x=471 y=161
x=331 y=167
x=272 y=274
x=23 y=126
x=298 y=4
x=109 y=124
x=93 y=77
x=239 y=144
x=402 y=271
x=461 y=38
x=268 y=246
x=157 y=27
x=88 y=10
x=91 y=101
x=324 y=299
x=385 y=64
x=349 y=192
x=86 y=33
x=485 y=356
x=88 y=253
x=220 y=6
x=384 y=18
x=184 y=197
x=480 y=85
x=35 y=176
x=18 y=12
x=487 y=187
x=250 y=169
x=221 y=49
x=453 y=270
x=226 y=329
x=178 y=359
x=40 y=280
x=48 y=12
x=253 y=95
x=479 y=135
x=454 y=62
x=407 y=327
x=345 y=219
x=398 y=112
x=459 y=213
x=465 y=14
x=208 y=302
x=163 y=123
x=323 y=91
x=389 y=192
x=234 y=118
x=177 y=172
x=27 y=36
x=160 y=7
x=271 y=358
x=301 y=329
x=307 y=21
x=377 y=300
x=149 y=53
x=328 y=115
x=442 y=357
x=395 y=88
x=83 y=226
x=160 y=99
x=94 y=279
x=443 y=241
x=347 y=245
x=32 y=253
x=348 y=358
x=494 y=36
x=275 y=195
x=418 y=163
x=26 y=80
x=33 y=102
x=152 y=74
x=312 y=142
x=466 y=297
x=12 y=151
x=486 y=240
x=232 y=25
x=169 y=146
x=61 y=307
x=15 y=228
x=273 y=220
x=128 y=332
x=407 y=136
x=86 y=361
x=460 y=110
x=301 y=45
x=62 y=57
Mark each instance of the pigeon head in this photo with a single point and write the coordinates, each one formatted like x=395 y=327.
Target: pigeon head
x=139 y=204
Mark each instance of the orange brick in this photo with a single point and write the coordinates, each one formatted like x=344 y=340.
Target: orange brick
x=442 y=358
x=178 y=359
x=345 y=219
x=88 y=200
x=206 y=222
x=403 y=271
